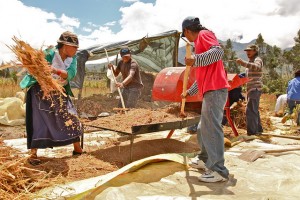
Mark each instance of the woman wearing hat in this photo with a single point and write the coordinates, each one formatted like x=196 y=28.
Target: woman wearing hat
x=53 y=122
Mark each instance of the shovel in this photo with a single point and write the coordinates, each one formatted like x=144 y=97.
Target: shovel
x=120 y=93
x=251 y=155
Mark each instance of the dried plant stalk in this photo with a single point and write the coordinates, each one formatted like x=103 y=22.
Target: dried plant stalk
x=36 y=64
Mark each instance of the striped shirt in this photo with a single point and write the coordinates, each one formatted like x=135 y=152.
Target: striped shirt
x=214 y=54
x=255 y=73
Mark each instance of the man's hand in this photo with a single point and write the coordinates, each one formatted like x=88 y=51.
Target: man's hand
x=120 y=85
x=183 y=96
x=109 y=66
x=190 y=61
x=239 y=61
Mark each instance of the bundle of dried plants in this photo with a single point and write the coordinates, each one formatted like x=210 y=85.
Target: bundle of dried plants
x=36 y=64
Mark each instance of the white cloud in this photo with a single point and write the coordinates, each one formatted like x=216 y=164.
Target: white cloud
x=225 y=18
x=130 y=1
x=86 y=29
x=277 y=20
x=30 y=24
x=69 y=22
x=110 y=23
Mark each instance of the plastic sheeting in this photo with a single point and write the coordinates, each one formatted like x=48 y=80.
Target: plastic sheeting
x=12 y=110
x=270 y=177
x=152 y=53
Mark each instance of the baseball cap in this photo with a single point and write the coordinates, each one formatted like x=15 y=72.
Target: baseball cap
x=252 y=47
x=189 y=22
x=68 y=38
x=125 y=51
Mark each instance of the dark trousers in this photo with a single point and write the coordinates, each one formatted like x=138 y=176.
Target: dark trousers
x=292 y=105
x=130 y=97
x=252 y=113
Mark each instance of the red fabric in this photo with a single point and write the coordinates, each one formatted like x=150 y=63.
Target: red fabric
x=213 y=76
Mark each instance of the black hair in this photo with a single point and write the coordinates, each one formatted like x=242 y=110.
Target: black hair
x=297 y=73
x=59 y=45
x=196 y=28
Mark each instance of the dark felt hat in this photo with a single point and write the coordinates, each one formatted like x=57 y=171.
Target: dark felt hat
x=68 y=38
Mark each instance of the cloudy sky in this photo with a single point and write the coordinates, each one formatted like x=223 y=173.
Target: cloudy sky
x=40 y=22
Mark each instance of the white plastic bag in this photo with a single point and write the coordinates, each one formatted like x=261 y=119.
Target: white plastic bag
x=110 y=75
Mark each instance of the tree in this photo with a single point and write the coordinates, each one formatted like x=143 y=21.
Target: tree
x=294 y=58
x=273 y=60
x=229 y=57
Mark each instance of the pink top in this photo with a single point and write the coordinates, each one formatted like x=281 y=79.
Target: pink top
x=213 y=76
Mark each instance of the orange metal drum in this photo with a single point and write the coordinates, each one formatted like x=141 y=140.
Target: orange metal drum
x=169 y=82
x=168 y=85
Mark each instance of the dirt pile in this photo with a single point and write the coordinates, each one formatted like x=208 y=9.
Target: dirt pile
x=98 y=103
x=238 y=115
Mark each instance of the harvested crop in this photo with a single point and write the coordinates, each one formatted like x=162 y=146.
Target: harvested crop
x=37 y=66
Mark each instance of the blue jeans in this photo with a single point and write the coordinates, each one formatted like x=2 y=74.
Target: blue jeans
x=130 y=97
x=210 y=133
x=252 y=113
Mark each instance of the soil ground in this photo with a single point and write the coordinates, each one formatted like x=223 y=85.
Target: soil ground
x=114 y=151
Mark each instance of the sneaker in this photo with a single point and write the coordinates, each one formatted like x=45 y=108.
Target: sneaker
x=211 y=177
x=197 y=164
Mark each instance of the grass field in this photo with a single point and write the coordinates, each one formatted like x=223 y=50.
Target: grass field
x=9 y=88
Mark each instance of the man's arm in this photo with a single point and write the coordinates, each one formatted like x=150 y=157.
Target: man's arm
x=114 y=69
x=193 y=89
x=214 y=54
x=256 y=65
x=129 y=78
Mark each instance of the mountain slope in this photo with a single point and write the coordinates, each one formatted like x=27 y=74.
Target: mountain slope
x=237 y=47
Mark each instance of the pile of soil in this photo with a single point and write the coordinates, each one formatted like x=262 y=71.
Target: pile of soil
x=148 y=81
x=98 y=103
x=238 y=115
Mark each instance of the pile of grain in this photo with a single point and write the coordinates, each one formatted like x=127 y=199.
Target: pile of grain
x=140 y=116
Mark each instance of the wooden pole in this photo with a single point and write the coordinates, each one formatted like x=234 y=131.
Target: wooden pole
x=120 y=93
x=185 y=78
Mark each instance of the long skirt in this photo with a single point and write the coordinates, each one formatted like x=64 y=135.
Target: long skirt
x=50 y=122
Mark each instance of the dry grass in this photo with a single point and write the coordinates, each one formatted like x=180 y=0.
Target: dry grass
x=17 y=180
x=91 y=87
x=36 y=64
x=8 y=87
